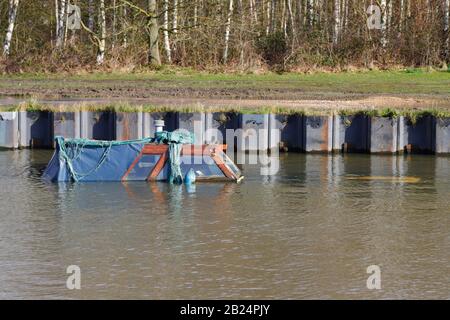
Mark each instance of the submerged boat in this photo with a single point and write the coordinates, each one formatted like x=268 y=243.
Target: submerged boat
x=170 y=156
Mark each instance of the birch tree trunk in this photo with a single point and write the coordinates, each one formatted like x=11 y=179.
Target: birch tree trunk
x=166 y=32
x=175 y=16
x=153 y=34
x=384 y=15
x=291 y=16
x=195 y=13
x=310 y=12
x=227 y=31
x=12 y=13
x=337 y=21
x=61 y=27
x=57 y=17
x=253 y=17
x=102 y=38
x=124 y=25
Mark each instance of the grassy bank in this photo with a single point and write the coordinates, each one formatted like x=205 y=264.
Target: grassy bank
x=412 y=91
x=410 y=81
x=412 y=114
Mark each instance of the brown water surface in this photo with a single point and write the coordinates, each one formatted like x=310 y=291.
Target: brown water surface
x=311 y=231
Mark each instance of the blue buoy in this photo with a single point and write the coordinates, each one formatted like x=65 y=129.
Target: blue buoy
x=190 y=177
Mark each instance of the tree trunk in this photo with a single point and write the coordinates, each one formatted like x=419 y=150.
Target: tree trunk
x=57 y=17
x=227 y=31
x=62 y=22
x=337 y=21
x=253 y=14
x=166 y=32
x=272 y=16
x=102 y=38
x=195 y=13
x=91 y=15
x=124 y=25
x=175 y=16
x=291 y=17
x=310 y=4
x=114 y=37
x=153 y=34
x=384 y=22
x=446 y=30
x=12 y=13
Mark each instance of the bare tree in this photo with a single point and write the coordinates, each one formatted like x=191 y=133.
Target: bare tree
x=166 y=32
x=153 y=34
x=102 y=38
x=12 y=13
x=124 y=25
x=337 y=21
x=61 y=30
x=91 y=15
x=114 y=22
x=310 y=5
x=384 y=23
x=227 y=31
x=291 y=16
x=175 y=16
x=206 y=32
x=446 y=30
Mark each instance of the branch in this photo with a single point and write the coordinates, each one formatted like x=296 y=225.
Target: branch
x=91 y=33
x=132 y=5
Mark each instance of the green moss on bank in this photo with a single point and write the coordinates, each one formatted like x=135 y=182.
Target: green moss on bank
x=413 y=115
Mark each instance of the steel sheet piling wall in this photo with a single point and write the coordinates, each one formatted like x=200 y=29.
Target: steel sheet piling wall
x=128 y=125
x=217 y=124
x=98 y=125
x=383 y=135
x=255 y=132
x=66 y=124
x=290 y=136
x=317 y=133
x=9 y=130
x=417 y=137
x=443 y=136
x=357 y=133
x=351 y=133
x=36 y=129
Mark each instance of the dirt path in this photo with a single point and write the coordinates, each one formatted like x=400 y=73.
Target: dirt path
x=230 y=95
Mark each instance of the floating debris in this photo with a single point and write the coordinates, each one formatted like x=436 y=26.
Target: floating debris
x=386 y=179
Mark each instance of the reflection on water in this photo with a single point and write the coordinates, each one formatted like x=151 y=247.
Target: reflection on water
x=308 y=232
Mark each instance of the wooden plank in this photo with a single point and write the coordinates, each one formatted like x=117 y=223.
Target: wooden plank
x=222 y=166
x=124 y=178
x=155 y=148
x=159 y=166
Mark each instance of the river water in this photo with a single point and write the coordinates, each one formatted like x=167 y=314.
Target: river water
x=310 y=231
